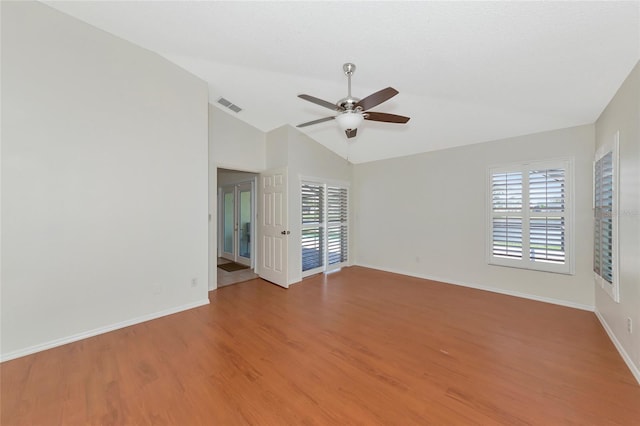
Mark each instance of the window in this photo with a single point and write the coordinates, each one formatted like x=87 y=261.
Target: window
x=312 y=226
x=324 y=227
x=530 y=216
x=336 y=225
x=605 y=236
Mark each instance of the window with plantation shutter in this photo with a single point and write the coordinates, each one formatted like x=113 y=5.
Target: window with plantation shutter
x=324 y=227
x=529 y=216
x=312 y=226
x=507 y=214
x=336 y=225
x=547 y=197
x=605 y=236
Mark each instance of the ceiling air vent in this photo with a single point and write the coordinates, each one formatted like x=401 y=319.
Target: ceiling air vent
x=226 y=103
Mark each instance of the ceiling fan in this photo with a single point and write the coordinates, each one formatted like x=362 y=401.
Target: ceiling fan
x=353 y=110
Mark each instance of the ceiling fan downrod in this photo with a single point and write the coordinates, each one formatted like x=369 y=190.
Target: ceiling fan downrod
x=349 y=102
x=349 y=69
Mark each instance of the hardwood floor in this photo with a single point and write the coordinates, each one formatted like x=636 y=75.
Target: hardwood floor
x=354 y=347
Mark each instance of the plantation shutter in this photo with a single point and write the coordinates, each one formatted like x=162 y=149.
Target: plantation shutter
x=603 y=220
x=337 y=215
x=325 y=230
x=312 y=226
x=547 y=215
x=507 y=212
x=528 y=217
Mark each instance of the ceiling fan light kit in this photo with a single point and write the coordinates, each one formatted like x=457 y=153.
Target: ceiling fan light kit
x=349 y=119
x=352 y=111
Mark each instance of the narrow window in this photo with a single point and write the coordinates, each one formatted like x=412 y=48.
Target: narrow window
x=605 y=236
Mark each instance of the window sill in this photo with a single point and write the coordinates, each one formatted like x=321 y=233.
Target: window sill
x=538 y=267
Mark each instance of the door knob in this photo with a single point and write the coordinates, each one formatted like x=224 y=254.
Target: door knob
x=285 y=232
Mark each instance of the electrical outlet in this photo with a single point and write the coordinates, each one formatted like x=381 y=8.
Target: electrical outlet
x=194 y=282
x=629 y=325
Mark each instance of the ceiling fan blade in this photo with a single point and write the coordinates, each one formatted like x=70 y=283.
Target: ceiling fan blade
x=387 y=118
x=320 y=120
x=320 y=102
x=377 y=98
x=351 y=133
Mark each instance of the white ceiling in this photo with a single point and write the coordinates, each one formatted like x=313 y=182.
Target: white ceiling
x=467 y=72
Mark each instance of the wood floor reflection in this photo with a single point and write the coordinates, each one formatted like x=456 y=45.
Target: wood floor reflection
x=354 y=347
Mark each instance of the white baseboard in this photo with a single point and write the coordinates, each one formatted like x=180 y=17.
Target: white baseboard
x=100 y=330
x=560 y=302
x=625 y=356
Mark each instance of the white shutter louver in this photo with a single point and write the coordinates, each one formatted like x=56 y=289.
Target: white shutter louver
x=547 y=223
x=312 y=229
x=528 y=213
x=337 y=213
x=325 y=228
x=506 y=190
x=603 y=220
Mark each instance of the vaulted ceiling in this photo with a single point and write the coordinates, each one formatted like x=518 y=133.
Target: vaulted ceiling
x=467 y=72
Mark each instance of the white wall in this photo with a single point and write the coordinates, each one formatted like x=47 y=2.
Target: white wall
x=277 y=146
x=104 y=181
x=425 y=215
x=623 y=114
x=235 y=144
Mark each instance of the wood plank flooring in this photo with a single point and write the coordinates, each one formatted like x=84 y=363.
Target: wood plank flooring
x=354 y=347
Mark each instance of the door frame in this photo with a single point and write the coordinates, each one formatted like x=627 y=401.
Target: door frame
x=214 y=203
x=235 y=255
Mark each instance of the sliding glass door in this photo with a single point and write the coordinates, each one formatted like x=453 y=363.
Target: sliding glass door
x=324 y=227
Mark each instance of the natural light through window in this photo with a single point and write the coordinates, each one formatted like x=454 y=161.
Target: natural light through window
x=530 y=216
x=605 y=218
x=324 y=226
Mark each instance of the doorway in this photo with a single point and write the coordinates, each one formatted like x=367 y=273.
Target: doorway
x=237 y=227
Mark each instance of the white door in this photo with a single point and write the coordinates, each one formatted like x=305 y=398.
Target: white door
x=272 y=231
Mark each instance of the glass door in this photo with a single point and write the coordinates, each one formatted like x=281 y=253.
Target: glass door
x=237 y=222
x=228 y=222
x=244 y=223
x=325 y=232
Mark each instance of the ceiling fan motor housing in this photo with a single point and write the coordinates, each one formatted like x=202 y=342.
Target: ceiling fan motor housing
x=348 y=103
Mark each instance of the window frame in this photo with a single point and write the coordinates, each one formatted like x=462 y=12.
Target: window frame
x=611 y=288
x=526 y=213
